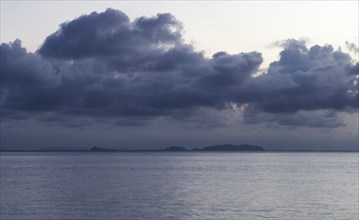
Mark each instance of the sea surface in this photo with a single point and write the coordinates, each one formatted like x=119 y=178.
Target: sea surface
x=183 y=185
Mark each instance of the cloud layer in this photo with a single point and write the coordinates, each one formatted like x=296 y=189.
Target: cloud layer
x=103 y=65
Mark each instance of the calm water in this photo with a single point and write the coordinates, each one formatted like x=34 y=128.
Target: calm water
x=179 y=186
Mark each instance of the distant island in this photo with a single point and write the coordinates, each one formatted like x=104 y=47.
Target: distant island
x=221 y=147
x=212 y=148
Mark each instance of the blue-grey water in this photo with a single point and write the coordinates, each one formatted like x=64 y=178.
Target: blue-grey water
x=191 y=185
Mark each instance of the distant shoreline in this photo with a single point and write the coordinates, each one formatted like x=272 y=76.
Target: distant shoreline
x=213 y=148
x=184 y=152
x=187 y=151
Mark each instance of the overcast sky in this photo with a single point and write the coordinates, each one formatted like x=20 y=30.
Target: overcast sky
x=282 y=75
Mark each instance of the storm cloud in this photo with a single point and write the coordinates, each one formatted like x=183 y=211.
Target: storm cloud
x=103 y=65
x=305 y=79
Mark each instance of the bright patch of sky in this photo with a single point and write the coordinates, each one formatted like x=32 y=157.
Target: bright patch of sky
x=212 y=26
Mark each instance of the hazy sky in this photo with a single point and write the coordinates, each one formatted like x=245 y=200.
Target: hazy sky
x=233 y=26
x=283 y=75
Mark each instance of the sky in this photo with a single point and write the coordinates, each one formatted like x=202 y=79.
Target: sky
x=151 y=74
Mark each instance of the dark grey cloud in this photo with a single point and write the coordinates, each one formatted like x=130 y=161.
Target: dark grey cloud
x=22 y=69
x=315 y=119
x=110 y=34
x=105 y=66
x=305 y=79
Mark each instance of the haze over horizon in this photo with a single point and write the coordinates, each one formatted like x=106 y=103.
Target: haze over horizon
x=108 y=79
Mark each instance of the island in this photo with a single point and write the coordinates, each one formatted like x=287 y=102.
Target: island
x=217 y=148
x=232 y=147
x=101 y=149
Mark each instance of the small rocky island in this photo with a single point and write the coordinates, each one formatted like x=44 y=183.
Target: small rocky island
x=218 y=148
x=232 y=147
x=101 y=149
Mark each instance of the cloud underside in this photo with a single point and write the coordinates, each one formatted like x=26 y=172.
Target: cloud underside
x=104 y=66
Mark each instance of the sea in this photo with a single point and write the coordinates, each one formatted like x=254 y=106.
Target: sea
x=179 y=185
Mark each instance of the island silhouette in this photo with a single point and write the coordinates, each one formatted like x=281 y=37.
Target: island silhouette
x=212 y=148
x=220 y=147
